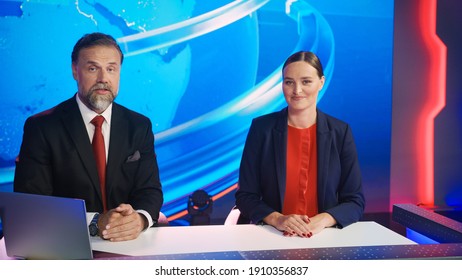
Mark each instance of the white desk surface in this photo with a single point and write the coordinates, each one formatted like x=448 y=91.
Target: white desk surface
x=220 y=238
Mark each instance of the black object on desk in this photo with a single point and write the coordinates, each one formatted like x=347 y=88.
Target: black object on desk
x=200 y=206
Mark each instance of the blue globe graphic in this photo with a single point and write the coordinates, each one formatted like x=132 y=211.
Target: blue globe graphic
x=154 y=83
x=200 y=70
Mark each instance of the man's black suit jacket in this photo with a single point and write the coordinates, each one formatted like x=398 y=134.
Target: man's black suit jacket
x=56 y=158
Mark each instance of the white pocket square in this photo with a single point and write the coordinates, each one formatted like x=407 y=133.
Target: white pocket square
x=136 y=156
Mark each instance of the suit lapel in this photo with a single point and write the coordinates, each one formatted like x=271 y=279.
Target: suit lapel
x=280 y=150
x=73 y=123
x=324 y=143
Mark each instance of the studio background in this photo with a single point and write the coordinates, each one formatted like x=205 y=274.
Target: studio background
x=201 y=70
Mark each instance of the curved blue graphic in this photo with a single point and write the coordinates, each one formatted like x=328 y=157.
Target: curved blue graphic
x=188 y=29
x=214 y=141
x=201 y=75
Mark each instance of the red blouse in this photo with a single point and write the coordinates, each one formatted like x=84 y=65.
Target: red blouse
x=301 y=172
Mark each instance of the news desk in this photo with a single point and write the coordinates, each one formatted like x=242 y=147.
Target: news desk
x=361 y=240
x=229 y=240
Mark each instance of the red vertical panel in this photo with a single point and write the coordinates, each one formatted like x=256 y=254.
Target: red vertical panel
x=434 y=103
x=419 y=90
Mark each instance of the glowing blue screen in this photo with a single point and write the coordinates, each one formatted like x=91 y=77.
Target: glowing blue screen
x=201 y=70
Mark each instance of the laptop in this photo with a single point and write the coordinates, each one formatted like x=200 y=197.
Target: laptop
x=44 y=227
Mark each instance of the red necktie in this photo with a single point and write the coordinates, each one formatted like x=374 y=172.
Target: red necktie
x=100 y=156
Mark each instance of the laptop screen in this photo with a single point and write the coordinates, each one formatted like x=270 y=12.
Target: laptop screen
x=44 y=227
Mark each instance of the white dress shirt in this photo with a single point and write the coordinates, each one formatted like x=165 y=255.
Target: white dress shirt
x=87 y=116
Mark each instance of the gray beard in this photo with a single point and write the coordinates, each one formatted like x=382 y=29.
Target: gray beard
x=100 y=103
